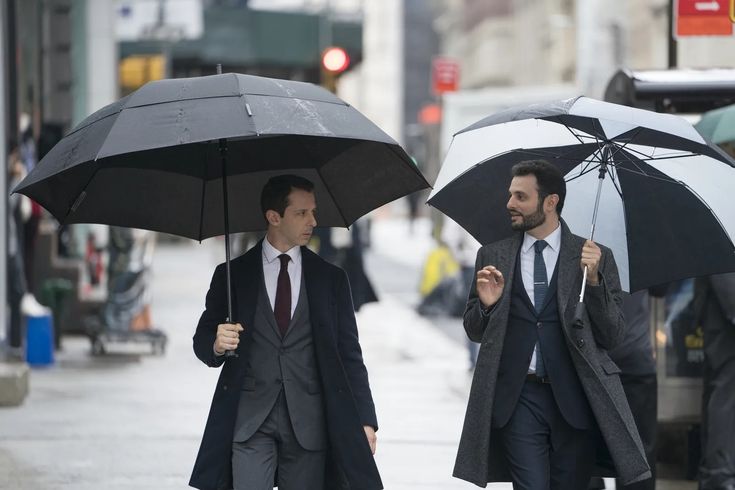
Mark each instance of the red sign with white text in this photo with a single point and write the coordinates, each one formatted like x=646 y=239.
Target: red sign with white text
x=444 y=75
x=703 y=18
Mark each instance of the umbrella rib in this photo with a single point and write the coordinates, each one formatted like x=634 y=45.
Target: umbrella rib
x=344 y=220
x=227 y=96
x=80 y=197
x=655 y=177
x=583 y=172
x=633 y=161
x=579 y=138
x=615 y=181
x=648 y=158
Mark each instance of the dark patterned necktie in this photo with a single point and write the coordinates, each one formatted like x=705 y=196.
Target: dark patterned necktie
x=540 y=285
x=282 y=308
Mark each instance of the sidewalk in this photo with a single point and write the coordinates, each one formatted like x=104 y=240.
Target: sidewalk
x=128 y=420
x=132 y=421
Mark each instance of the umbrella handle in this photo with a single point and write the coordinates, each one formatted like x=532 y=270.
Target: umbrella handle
x=578 y=321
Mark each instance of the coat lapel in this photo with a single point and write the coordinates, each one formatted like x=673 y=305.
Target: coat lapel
x=247 y=275
x=505 y=261
x=568 y=267
x=317 y=289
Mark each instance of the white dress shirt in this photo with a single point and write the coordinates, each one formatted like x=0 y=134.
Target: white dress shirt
x=528 y=256
x=272 y=267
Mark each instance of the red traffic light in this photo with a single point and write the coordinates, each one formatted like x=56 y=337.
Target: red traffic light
x=335 y=60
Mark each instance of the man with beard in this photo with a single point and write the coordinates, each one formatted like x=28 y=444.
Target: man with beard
x=542 y=385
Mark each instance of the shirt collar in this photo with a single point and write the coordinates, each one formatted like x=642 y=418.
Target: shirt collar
x=271 y=253
x=553 y=241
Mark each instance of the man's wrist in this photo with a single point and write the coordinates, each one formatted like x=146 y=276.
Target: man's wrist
x=595 y=281
x=485 y=310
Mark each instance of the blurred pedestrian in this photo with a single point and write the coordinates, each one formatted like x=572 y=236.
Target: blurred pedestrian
x=353 y=264
x=27 y=153
x=716 y=295
x=464 y=249
x=296 y=402
x=344 y=247
x=18 y=206
x=542 y=388
x=635 y=358
x=128 y=306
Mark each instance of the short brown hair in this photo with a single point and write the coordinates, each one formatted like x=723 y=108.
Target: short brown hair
x=275 y=192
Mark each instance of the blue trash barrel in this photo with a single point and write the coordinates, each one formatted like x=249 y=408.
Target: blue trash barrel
x=40 y=340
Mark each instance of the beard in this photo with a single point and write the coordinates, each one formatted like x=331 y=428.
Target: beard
x=529 y=221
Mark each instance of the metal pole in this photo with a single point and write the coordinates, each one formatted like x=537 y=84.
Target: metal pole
x=673 y=48
x=3 y=175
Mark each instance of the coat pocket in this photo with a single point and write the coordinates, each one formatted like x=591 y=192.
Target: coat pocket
x=610 y=367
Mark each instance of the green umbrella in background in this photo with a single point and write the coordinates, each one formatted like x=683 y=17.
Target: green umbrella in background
x=718 y=125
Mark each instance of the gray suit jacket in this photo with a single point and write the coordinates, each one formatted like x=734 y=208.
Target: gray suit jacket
x=479 y=458
x=273 y=364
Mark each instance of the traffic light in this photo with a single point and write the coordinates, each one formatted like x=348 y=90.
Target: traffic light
x=335 y=61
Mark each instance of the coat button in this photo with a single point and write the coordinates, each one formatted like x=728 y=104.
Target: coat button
x=224 y=387
x=580 y=343
x=279 y=381
x=539 y=324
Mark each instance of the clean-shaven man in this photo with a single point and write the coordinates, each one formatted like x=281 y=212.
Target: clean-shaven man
x=295 y=405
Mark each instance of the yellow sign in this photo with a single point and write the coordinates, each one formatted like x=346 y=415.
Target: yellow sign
x=732 y=10
x=137 y=70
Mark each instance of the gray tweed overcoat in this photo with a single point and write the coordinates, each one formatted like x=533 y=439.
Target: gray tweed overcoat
x=479 y=458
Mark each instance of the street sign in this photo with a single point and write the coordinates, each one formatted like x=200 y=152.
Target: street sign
x=704 y=18
x=444 y=75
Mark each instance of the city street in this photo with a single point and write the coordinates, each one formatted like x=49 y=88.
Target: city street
x=131 y=420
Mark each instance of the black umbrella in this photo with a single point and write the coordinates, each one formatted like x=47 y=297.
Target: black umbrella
x=170 y=155
x=645 y=184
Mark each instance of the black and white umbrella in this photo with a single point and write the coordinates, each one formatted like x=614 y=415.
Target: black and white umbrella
x=665 y=195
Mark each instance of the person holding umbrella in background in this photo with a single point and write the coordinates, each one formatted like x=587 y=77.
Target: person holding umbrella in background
x=543 y=387
x=715 y=313
x=296 y=400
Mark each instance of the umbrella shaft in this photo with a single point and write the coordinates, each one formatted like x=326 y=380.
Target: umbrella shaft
x=603 y=171
x=223 y=155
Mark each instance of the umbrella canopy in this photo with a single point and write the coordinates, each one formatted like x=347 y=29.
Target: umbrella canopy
x=153 y=159
x=665 y=206
x=718 y=125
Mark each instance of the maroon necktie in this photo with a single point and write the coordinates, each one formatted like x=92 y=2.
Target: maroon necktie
x=282 y=309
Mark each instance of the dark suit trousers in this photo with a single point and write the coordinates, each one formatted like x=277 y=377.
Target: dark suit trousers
x=274 y=446
x=543 y=450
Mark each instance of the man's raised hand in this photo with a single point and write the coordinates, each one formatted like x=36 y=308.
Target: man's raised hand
x=490 y=284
